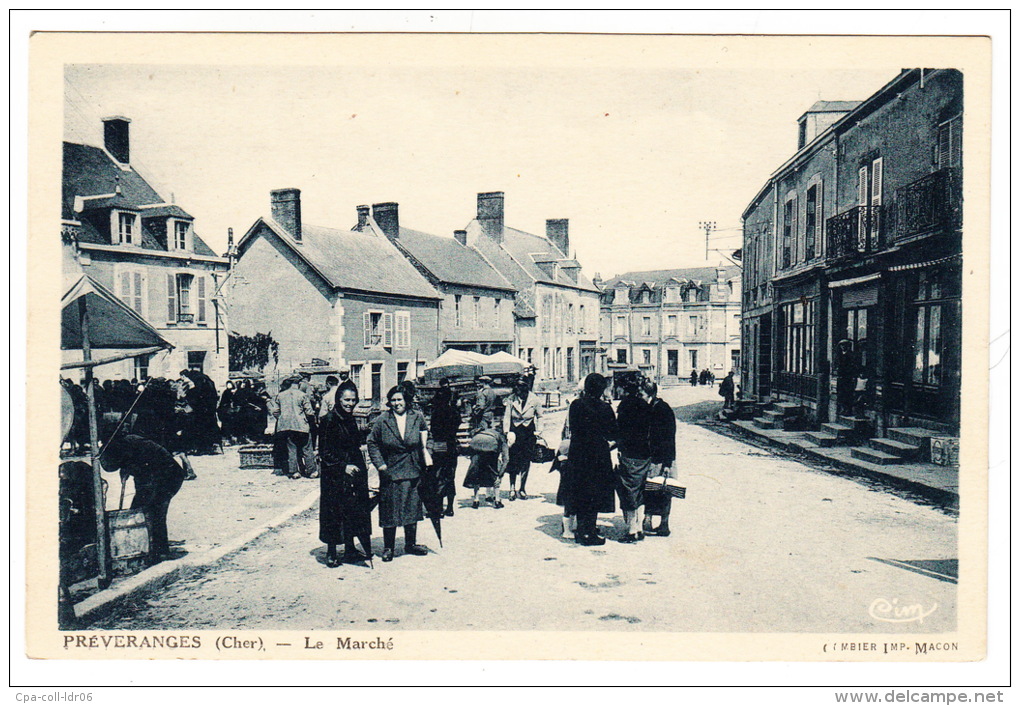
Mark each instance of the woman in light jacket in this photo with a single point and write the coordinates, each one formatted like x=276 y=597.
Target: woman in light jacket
x=397 y=446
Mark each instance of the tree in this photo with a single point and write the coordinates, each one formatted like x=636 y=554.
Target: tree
x=252 y=352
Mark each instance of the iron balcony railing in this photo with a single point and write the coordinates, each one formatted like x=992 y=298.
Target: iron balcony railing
x=803 y=386
x=858 y=231
x=932 y=203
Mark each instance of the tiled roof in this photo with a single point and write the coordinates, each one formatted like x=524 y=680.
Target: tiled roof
x=351 y=260
x=89 y=171
x=833 y=106
x=516 y=258
x=451 y=262
x=658 y=278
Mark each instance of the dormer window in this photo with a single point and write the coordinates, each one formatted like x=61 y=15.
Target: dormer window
x=127 y=228
x=180 y=235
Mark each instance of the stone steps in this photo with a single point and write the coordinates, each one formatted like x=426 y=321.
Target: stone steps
x=906 y=452
x=822 y=438
x=915 y=436
x=873 y=456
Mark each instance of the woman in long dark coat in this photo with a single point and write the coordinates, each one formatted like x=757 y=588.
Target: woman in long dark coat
x=397 y=447
x=345 y=512
x=444 y=424
x=588 y=477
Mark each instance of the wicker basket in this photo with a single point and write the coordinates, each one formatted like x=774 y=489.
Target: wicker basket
x=256 y=456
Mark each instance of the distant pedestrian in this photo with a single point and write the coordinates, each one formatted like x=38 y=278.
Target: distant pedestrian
x=727 y=389
x=397 y=445
x=226 y=410
x=694 y=378
x=345 y=512
x=662 y=442
x=588 y=473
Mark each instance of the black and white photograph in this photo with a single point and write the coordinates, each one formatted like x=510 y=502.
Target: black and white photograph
x=655 y=346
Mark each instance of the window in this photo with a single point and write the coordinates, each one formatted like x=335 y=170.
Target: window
x=182 y=289
x=581 y=320
x=857 y=332
x=647 y=355
x=546 y=312
x=789 y=230
x=802 y=134
x=571 y=324
x=621 y=356
x=810 y=221
x=671 y=325
x=734 y=359
x=131 y=286
x=377 y=384
x=403 y=322
x=692 y=294
x=694 y=360
x=497 y=311
x=797 y=335
x=694 y=325
x=378 y=329
x=478 y=312
x=673 y=362
x=401 y=371
x=949 y=149
x=531 y=356
x=356 y=378
x=570 y=365
x=546 y=364
x=621 y=326
x=928 y=339
x=646 y=325
x=196 y=361
x=142 y=367
x=456 y=311
x=181 y=235
x=869 y=200
x=127 y=228
x=558 y=363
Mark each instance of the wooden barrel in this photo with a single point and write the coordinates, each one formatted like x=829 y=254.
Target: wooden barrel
x=129 y=540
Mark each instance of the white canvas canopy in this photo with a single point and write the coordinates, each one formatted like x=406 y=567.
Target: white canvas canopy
x=455 y=363
x=501 y=363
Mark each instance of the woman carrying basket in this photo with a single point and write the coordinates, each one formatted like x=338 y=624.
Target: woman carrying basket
x=662 y=441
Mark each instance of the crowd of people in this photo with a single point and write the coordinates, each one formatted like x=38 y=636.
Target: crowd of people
x=606 y=455
x=705 y=377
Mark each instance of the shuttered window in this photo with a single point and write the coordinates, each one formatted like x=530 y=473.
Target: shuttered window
x=950 y=143
x=403 y=321
x=171 y=298
x=131 y=287
x=200 y=298
x=388 y=330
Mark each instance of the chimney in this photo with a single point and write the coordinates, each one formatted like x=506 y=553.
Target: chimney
x=460 y=236
x=556 y=231
x=363 y=213
x=720 y=275
x=386 y=217
x=490 y=214
x=115 y=138
x=286 y=210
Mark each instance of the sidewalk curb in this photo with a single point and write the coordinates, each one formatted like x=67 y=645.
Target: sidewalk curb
x=939 y=496
x=166 y=573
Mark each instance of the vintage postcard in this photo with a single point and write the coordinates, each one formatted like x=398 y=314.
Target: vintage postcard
x=490 y=347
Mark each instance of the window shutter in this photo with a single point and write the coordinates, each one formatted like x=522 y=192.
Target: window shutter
x=201 y=297
x=138 y=293
x=367 y=318
x=876 y=182
x=388 y=330
x=171 y=298
x=862 y=186
x=403 y=329
x=956 y=143
x=125 y=288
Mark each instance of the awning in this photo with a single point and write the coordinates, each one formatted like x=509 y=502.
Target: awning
x=929 y=263
x=854 y=280
x=112 y=323
x=502 y=362
x=455 y=363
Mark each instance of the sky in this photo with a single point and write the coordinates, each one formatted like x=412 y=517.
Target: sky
x=635 y=158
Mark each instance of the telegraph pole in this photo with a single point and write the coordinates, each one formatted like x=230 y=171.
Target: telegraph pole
x=708 y=226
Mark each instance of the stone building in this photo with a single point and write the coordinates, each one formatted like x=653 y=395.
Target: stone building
x=349 y=298
x=667 y=323
x=476 y=313
x=144 y=249
x=556 y=309
x=852 y=275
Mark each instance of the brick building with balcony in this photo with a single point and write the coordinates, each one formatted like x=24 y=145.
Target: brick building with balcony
x=852 y=276
x=128 y=237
